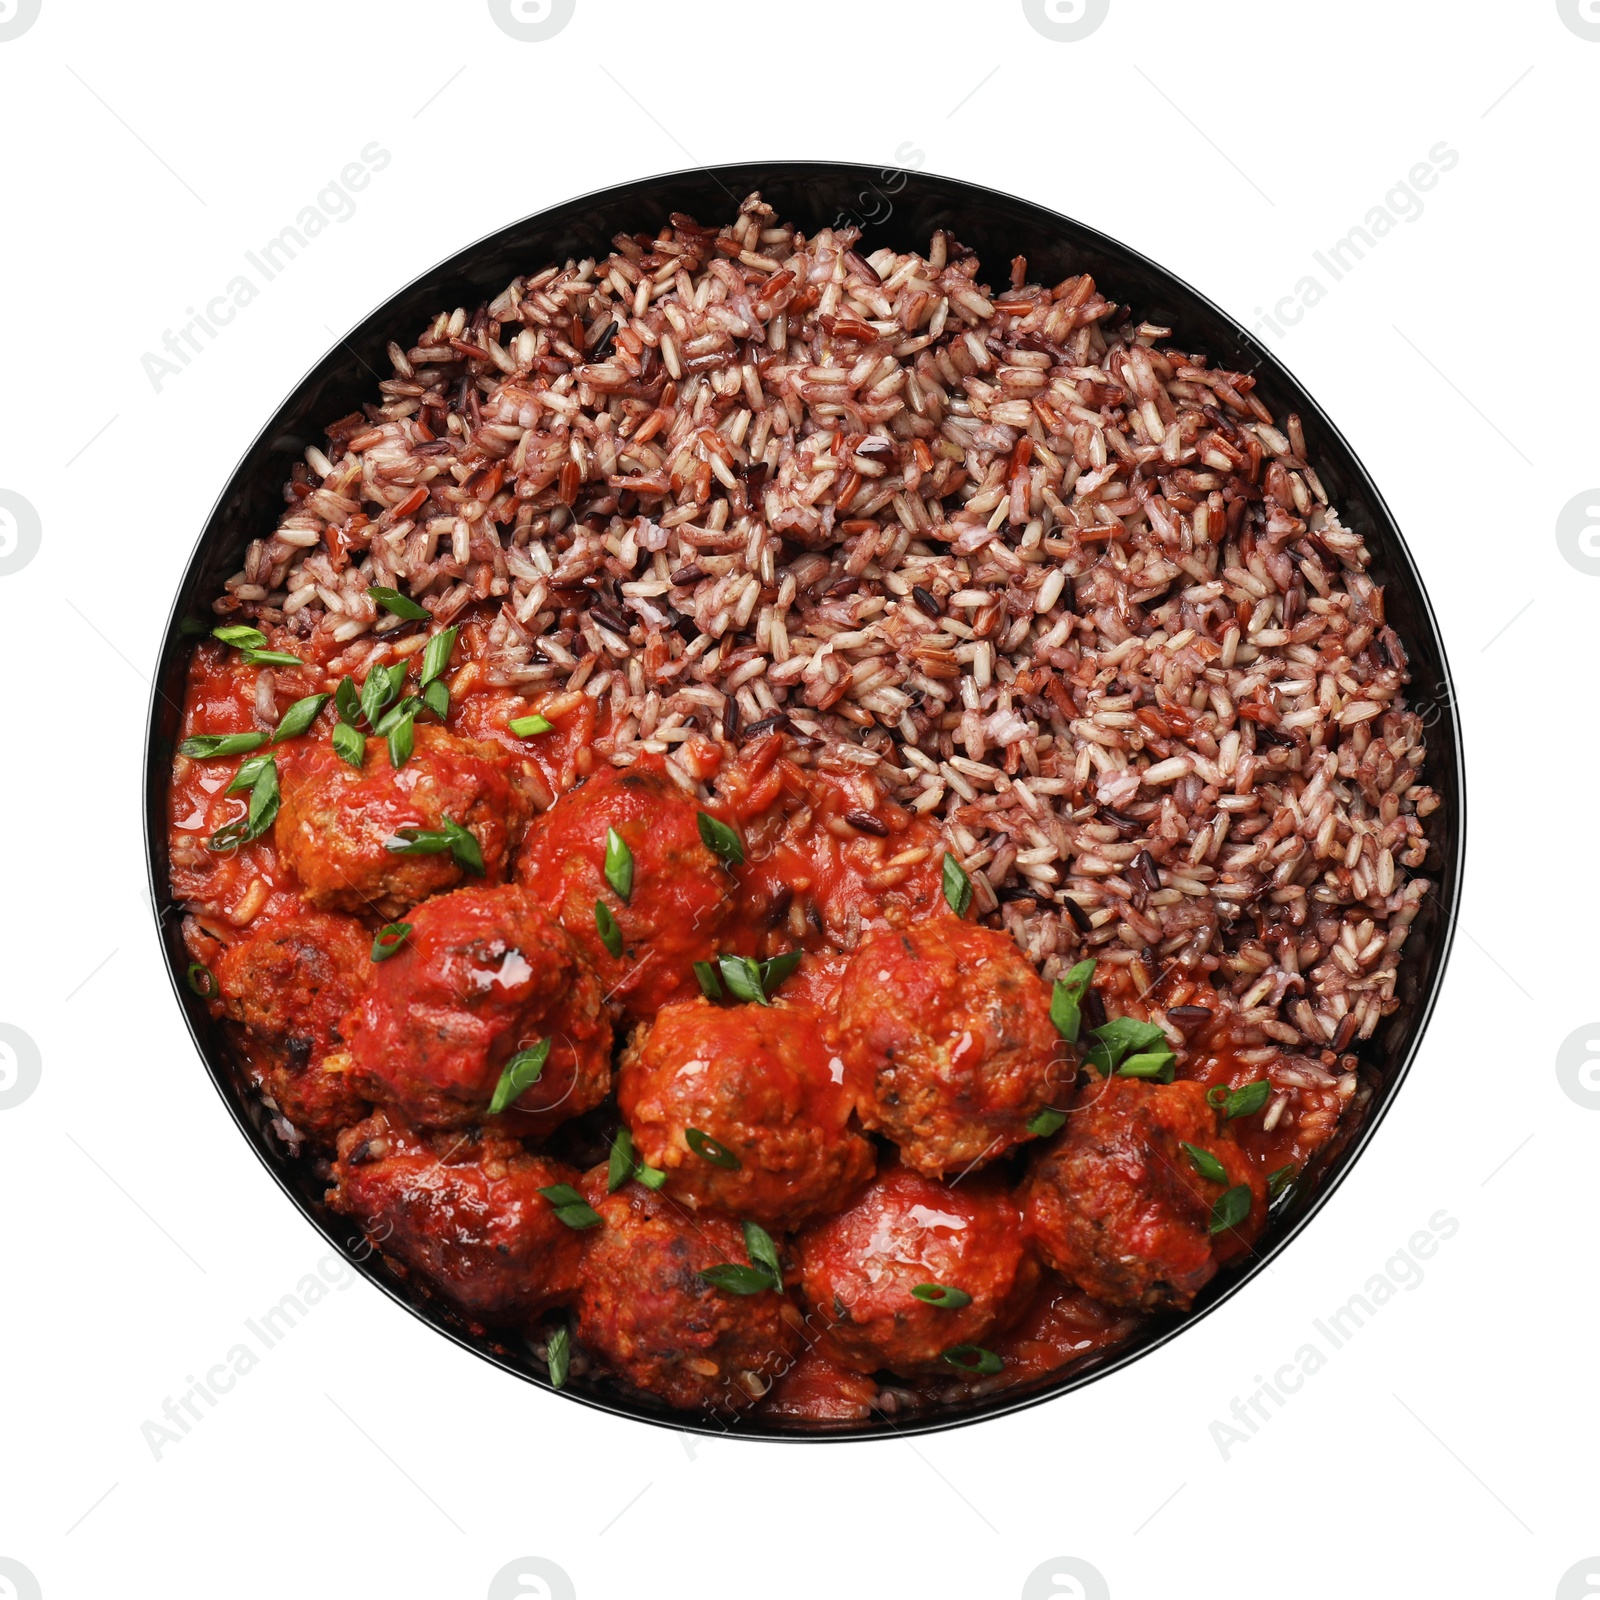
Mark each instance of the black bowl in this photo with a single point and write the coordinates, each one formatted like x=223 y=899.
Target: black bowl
x=894 y=208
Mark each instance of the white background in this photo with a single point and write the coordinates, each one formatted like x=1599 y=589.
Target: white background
x=1442 y=1450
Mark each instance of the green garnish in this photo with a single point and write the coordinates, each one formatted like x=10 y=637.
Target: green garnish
x=1120 y=1038
x=558 y=1354
x=348 y=744
x=1232 y=1207
x=401 y=605
x=1043 y=1123
x=435 y=841
x=347 y=702
x=942 y=1295
x=957 y=885
x=1280 y=1180
x=269 y=658
x=610 y=933
x=202 y=980
x=721 y=840
x=619 y=865
x=262 y=809
x=402 y=740
x=527 y=727
x=625 y=1164
x=755 y=980
x=1066 y=1000
x=299 y=717
x=708 y=1149
x=974 y=1359
x=571 y=1207
x=388 y=939
x=519 y=1073
x=1156 y=1064
x=764 y=1272
x=382 y=685
x=208 y=746
x=437 y=698
x=1206 y=1164
x=1244 y=1101
x=240 y=637
x=249 y=771
x=710 y=983
x=436 y=657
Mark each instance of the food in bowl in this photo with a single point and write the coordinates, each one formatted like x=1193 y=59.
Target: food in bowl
x=804 y=836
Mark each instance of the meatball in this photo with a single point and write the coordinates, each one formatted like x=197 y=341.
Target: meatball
x=761 y=1082
x=464 y=1213
x=1118 y=1206
x=644 y=1310
x=947 y=1027
x=483 y=975
x=289 y=984
x=681 y=894
x=858 y=1270
x=334 y=822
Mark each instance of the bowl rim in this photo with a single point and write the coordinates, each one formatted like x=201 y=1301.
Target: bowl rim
x=1446 y=770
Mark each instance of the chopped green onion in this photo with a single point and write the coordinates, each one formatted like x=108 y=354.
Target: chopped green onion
x=249 y=771
x=558 y=1354
x=710 y=983
x=1156 y=1064
x=349 y=744
x=527 y=727
x=1120 y=1038
x=743 y=978
x=1206 y=1164
x=382 y=685
x=269 y=658
x=435 y=841
x=464 y=847
x=957 y=885
x=437 y=698
x=347 y=702
x=1066 y=1000
x=625 y=1164
x=263 y=808
x=942 y=1295
x=619 y=865
x=974 y=1359
x=202 y=980
x=776 y=969
x=209 y=746
x=401 y=605
x=763 y=1252
x=1280 y=1180
x=402 y=740
x=519 y=1073
x=721 y=840
x=610 y=933
x=240 y=637
x=408 y=706
x=1246 y=1100
x=708 y=1149
x=436 y=657
x=729 y=1276
x=1046 y=1122
x=1232 y=1207
x=570 y=1206
x=299 y=717
x=388 y=939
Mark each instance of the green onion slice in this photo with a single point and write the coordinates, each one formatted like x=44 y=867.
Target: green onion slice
x=240 y=637
x=436 y=657
x=735 y=1279
x=558 y=1353
x=527 y=727
x=710 y=983
x=519 y=1073
x=570 y=1206
x=619 y=865
x=942 y=1295
x=974 y=1359
x=401 y=605
x=1066 y=1000
x=1120 y=1038
x=775 y=969
x=347 y=701
x=249 y=772
x=610 y=933
x=763 y=1252
x=209 y=746
x=202 y=980
x=1156 y=1064
x=435 y=841
x=402 y=740
x=957 y=885
x=721 y=840
x=625 y=1164
x=1280 y=1180
x=708 y=1149
x=1042 y=1124
x=437 y=698
x=299 y=717
x=1232 y=1207
x=388 y=939
x=269 y=658
x=1248 y=1099
x=382 y=685
x=349 y=744
x=1206 y=1164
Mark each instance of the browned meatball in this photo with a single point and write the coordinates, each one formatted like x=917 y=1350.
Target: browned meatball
x=335 y=824
x=290 y=984
x=858 y=1270
x=1117 y=1204
x=483 y=975
x=948 y=1028
x=681 y=893
x=648 y=1315
x=463 y=1212
x=763 y=1084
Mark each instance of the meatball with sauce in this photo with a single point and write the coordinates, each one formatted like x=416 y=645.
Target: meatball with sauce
x=463 y=1212
x=289 y=984
x=644 y=1310
x=335 y=823
x=483 y=975
x=765 y=1086
x=680 y=897
x=1117 y=1204
x=858 y=1270
x=947 y=1027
